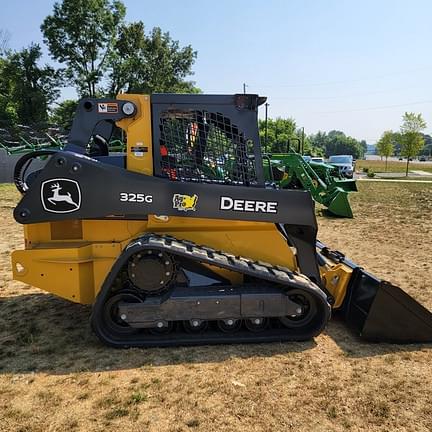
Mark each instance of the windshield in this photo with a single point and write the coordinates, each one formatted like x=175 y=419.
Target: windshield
x=340 y=159
x=319 y=160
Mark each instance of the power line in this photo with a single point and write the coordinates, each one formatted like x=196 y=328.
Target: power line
x=352 y=95
x=371 y=78
x=376 y=108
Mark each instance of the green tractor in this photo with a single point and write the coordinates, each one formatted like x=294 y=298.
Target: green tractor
x=289 y=170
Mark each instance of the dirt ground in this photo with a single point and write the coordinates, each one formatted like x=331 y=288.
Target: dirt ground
x=56 y=376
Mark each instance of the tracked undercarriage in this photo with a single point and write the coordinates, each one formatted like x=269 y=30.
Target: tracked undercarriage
x=274 y=304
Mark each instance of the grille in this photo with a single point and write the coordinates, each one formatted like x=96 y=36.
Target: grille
x=201 y=146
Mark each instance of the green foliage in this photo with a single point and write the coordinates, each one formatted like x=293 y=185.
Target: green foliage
x=412 y=122
x=91 y=38
x=427 y=149
x=336 y=142
x=64 y=113
x=279 y=131
x=385 y=145
x=411 y=144
x=26 y=89
x=8 y=114
x=148 y=63
x=81 y=34
x=411 y=140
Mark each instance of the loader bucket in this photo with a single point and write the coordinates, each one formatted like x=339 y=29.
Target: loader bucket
x=338 y=204
x=379 y=311
x=383 y=312
x=346 y=185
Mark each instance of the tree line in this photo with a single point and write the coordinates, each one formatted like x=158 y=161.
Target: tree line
x=99 y=54
x=279 y=133
x=409 y=141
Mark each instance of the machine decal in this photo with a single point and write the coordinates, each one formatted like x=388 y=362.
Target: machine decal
x=107 y=107
x=60 y=195
x=136 y=197
x=241 y=205
x=185 y=202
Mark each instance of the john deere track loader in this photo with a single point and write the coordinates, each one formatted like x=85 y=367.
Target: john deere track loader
x=180 y=241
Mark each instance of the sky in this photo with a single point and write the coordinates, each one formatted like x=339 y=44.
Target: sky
x=354 y=66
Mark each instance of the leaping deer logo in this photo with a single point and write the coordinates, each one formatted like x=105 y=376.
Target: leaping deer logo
x=57 y=197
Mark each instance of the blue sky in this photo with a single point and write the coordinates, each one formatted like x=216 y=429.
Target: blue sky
x=355 y=66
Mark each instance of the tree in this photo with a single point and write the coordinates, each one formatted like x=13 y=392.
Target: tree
x=81 y=34
x=4 y=41
x=336 y=142
x=412 y=140
x=427 y=148
x=64 y=113
x=279 y=132
x=27 y=89
x=141 y=63
x=385 y=145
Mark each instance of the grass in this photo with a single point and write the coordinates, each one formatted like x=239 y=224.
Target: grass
x=392 y=166
x=54 y=374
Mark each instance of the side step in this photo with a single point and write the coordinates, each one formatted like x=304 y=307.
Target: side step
x=379 y=311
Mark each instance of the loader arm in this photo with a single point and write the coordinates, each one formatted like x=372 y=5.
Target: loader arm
x=326 y=192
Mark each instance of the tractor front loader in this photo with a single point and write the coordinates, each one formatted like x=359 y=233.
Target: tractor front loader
x=181 y=241
x=289 y=170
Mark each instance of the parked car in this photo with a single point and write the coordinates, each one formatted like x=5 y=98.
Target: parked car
x=344 y=163
x=317 y=159
x=422 y=158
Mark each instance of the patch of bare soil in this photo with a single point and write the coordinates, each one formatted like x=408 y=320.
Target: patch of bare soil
x=56 y=376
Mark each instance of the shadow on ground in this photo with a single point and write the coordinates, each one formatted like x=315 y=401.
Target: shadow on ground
x=40 y=332
x=353 y=346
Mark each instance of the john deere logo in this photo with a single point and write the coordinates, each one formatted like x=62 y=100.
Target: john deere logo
x=60 y=195
x=185 y=202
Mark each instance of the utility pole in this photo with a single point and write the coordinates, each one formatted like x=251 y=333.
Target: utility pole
x=244 y=88
x=302 y=150
x=266 y=119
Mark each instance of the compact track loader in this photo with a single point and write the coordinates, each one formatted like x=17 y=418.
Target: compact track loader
x=181 y=241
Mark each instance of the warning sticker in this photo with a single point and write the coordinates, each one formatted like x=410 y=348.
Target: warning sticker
x=108 y=107
x=139 y=149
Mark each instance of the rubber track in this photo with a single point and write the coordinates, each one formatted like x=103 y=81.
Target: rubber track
x=203 y=254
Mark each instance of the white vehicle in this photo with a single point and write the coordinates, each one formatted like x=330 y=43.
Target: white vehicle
x=317 y=160
x=344 y=163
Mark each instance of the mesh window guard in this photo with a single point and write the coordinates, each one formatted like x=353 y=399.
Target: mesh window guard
x=205 y=147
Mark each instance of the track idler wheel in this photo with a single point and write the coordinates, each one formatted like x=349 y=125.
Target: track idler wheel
x=112 y=318
x=307 y=309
